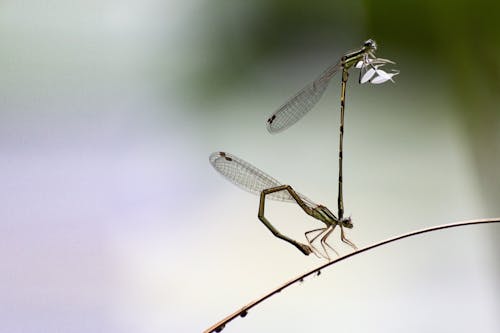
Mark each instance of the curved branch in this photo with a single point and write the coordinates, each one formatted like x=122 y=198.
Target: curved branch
x=244 y=310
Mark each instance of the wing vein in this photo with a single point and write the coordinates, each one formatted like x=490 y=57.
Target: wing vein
x=250 y=178
x=302 y=102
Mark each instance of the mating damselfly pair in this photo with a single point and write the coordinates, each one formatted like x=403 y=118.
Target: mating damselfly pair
x=256 y=181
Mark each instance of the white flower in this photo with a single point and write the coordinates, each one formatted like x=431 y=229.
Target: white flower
x=370 y=70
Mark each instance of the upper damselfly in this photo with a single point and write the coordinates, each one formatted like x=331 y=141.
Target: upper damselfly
x=304 y=100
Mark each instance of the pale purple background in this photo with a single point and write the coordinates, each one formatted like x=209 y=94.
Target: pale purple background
x=112 y=219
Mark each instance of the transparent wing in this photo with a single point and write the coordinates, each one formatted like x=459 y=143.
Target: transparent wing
x=303 y=101
x=250 y=178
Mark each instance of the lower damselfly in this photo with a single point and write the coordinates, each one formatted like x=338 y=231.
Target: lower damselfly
x=254 y=180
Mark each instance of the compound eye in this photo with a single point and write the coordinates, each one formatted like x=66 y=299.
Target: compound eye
x=370 y=43
x=348 y=222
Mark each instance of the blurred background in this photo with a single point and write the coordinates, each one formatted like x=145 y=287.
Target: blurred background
x=112 y=219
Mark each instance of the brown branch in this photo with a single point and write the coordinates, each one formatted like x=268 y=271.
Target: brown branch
x=244 y=310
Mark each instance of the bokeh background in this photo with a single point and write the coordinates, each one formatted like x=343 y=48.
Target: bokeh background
x=112 y=219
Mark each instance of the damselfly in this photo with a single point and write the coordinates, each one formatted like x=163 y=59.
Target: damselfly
x=258 y=182
x=303 y=101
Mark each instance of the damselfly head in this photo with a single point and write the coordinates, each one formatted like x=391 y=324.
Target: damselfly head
x=347 y=222
x=371 y=45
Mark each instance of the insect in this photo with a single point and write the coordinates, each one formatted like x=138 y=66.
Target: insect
x=251 y=179
x=304 y=100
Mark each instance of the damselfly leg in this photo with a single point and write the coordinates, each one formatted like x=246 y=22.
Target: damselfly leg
x=302 y=247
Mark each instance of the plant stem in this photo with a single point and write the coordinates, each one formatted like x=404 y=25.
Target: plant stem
x=244 y=310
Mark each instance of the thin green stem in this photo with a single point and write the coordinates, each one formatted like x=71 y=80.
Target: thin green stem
x=244 y=310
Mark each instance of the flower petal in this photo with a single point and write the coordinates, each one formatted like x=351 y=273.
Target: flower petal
x=383 y=76
x=368 y=75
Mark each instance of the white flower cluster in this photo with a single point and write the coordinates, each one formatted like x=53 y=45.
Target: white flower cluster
x=371 y=72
